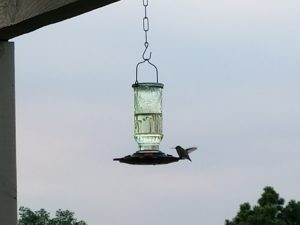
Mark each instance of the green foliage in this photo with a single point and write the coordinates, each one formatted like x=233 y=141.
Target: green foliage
x=42 y=217
x=269 y=211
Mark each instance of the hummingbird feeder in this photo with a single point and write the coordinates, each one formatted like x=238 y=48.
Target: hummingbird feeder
x=148 y=115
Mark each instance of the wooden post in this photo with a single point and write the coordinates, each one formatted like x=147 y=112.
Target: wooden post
x=8 y=179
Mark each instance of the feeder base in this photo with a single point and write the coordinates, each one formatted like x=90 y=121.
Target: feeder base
x=148 y=158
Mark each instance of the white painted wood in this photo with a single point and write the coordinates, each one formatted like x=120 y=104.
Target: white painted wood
x=22 y=16
x=30 y=8
x=7 y=12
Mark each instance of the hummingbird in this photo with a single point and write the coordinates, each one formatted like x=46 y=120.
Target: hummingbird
x=184 y=153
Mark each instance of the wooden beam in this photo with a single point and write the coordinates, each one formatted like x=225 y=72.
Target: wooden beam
x=18 y=17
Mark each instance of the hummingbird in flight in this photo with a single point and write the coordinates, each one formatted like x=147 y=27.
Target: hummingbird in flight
x=184 y=153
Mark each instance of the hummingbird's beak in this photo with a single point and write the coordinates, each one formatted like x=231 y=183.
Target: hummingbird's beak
x=173 y=148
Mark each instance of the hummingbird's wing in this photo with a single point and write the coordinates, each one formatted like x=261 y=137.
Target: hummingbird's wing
x=189 y=150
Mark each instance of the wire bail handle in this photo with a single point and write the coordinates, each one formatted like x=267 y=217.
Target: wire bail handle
x=142 y=62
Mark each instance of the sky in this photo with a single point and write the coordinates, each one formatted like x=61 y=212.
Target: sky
x=231 y=75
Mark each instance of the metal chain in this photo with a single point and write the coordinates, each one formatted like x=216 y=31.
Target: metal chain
x=146 y=23
x=146 y=27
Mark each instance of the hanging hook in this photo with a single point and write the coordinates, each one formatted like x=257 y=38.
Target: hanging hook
x=144 y=53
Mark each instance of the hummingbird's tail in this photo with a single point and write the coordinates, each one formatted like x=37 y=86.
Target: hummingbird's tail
x=188 y=157
x=184 y=153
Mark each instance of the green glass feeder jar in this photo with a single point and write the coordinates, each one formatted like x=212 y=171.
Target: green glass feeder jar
x=148 y=118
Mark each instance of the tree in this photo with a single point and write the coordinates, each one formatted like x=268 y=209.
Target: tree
x=291 y=213
x=42 y=217
x=269 y=211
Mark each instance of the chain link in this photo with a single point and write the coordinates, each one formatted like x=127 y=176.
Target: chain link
x=146 y=24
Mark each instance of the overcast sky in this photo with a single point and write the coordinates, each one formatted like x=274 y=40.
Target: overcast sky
x=231 y=74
